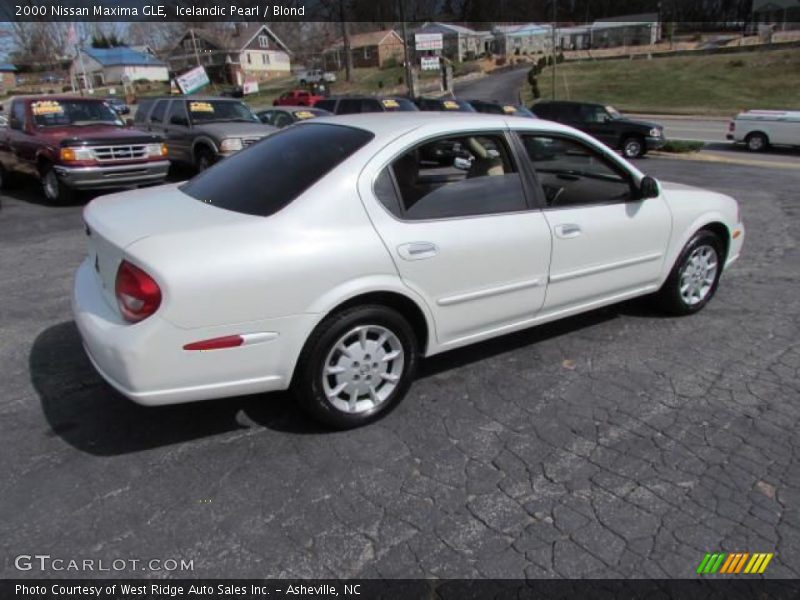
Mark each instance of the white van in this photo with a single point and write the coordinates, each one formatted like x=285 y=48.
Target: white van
x=760 y=129
x=315 y=76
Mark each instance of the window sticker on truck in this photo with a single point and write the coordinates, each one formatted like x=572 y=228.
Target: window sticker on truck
x=450 y=105
x=201 y=107
x=389 y=103
x=304 y=114
x=47 y=107
x=509 y=110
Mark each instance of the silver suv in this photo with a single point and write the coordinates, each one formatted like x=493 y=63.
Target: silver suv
x=200 y=130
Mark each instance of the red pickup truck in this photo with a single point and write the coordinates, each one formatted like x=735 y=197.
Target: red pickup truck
x=72 y=143
x=297 y=98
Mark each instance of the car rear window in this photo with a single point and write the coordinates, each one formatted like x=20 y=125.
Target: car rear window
x=266 y=177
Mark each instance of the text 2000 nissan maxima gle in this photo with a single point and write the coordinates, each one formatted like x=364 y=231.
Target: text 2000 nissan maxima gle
x=330 y=256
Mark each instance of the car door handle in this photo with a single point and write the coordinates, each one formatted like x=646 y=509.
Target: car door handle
x=417 y=250
x=568 y=230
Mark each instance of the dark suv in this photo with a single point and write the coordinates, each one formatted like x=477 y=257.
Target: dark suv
x=349 y=105
x=633 y=138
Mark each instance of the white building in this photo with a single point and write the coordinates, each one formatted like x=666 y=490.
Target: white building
x=104 y=66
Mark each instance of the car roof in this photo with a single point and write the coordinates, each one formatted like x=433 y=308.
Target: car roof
x=190 y=97
x=390 y=125
x=291 y=108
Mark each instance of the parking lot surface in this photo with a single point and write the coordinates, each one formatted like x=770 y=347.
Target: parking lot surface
x=617 y=443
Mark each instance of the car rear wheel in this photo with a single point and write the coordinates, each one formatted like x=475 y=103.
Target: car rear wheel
x=757 y=142
x=356 y=366
x=54 y=190
x=633 y=147
x=694 y=278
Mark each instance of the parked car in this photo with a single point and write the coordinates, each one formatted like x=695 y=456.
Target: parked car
x=760 y=129
x=348 y=105
x=632 y=137
x=493 y=107
x=281 y=116
x=328 y=258
x=118 y=104
x=201 y=130
x=315 y=76
x=72 y=143
x=297 y=98
x=444 y=104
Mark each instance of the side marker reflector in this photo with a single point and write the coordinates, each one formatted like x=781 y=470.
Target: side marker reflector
x=228 y=341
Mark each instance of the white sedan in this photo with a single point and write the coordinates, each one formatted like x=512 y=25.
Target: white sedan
x=330 y=256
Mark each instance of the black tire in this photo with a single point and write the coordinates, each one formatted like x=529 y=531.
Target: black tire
x=309 y=383
x=633 y=146
x=6 y=179
x=670 y=297
x=203 y=159
x=756 y=141
x=54 y=190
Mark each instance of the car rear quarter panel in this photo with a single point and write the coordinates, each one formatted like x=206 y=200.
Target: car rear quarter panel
x=268 y=267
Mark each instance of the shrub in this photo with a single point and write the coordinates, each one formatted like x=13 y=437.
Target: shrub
x=390 y=63
x=681 y=146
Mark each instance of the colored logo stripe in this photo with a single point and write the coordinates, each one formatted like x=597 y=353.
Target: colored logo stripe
x=734 y=563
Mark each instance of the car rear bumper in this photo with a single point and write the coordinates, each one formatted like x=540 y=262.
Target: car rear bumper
x=113 y=176
x=146 y=361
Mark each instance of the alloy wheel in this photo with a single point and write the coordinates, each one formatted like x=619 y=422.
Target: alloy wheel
x=363 y=368
x=698 y=274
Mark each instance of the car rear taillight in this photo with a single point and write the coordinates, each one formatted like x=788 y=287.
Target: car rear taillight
x=138 y=294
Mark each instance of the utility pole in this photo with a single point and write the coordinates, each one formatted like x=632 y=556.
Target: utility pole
x=194 y=45
x=553 y=32
x=406 y=53
x=348 y=57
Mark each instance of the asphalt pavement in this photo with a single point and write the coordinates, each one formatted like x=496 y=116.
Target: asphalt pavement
x=619 y=443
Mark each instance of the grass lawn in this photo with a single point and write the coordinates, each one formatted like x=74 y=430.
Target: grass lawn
x=719 y=84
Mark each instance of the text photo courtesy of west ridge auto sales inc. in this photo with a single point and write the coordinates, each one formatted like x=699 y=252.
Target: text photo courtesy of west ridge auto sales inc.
x=404 y=299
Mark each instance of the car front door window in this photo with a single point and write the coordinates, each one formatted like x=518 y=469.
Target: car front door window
x=572 y=174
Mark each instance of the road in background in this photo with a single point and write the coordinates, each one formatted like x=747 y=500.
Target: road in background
x=708 y=129
x=503 y=87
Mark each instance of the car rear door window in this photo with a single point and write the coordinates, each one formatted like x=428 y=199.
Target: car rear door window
x=481 y=179
x=329 y=105
x=272 y=173
x=157 y=116
x=142 y=111
x=177 y=113
x=349 y=106
x=572 y=174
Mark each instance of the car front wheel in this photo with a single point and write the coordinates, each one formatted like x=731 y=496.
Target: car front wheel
x=356 y=366
x=633 y=147
x=54 y=190
x=694 y=278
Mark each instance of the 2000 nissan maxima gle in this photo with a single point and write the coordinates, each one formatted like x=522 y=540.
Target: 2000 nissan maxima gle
x=328 y=257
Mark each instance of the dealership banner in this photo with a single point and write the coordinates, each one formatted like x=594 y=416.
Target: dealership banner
x=476 y=12
x=400 y=589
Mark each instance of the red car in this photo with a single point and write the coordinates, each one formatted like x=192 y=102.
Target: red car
x=72 y=143
x=297 y=98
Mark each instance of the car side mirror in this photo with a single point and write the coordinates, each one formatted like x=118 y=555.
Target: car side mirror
x=648 y=188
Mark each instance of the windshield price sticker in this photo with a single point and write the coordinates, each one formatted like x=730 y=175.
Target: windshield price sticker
x=46 y=107
x=391 y=103
x=304 y=114
x=201 y=107
x=509 y=109
x=450 y=105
